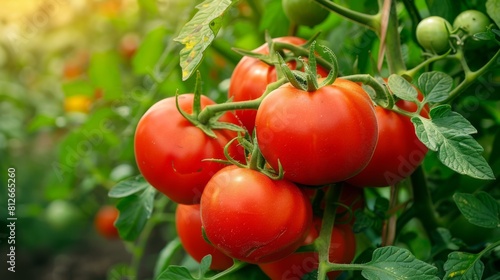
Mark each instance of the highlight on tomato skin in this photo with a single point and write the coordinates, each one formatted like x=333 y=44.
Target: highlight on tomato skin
x=189 y=230
x=253 y=218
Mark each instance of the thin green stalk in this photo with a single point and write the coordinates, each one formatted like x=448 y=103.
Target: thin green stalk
x=371 y=21
x=413 y=72
x=322 y=243
x=211 y=110
x=236 y=266
x=393 y=52
x=422 y=202
x=139 y=248
x=471 y=77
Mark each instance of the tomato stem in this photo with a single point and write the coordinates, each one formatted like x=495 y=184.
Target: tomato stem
x=413 y=72
x=371 y=21
x=322 y=243
x=471 y=76
x=211 y=110
x=422 y=203
x=139 y=248
x=380 y=95
x=237 y=265
x=392 y=43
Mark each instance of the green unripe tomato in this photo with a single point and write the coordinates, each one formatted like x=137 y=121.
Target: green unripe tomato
x=433 y=34
x=304 y=12
x=472 y=22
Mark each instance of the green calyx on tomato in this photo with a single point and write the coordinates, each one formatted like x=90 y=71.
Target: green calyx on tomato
x=206 y=125
x=308 y=80
x=256 y=72
x=319 y=137
x=304 y=12
x=433 y=34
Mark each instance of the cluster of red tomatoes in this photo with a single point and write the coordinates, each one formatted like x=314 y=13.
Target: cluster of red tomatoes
x=333 y=134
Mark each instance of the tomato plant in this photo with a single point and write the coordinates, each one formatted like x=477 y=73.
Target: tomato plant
x=306 y=123
x=171 y=152
x=104 y=221
x=188 y=225
x=242 y=219
x=339 y=117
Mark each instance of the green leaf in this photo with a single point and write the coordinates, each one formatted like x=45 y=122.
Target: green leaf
x=402 y=88
x=175 y=273
x=166 y=255
x=128 y=187
x=435 y=86
x=104 y=73
x=493 y=10
x=397 y=263
x=135 y=210
x=199 y=32
x=463 y=266
x=448 y=133
x=149 y=51
x=480 y=209
x=205 y=265
x=448 y=120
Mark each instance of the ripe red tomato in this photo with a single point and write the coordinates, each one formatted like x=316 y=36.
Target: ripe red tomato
x=104 y=221
x=170 y=150
x=253 y=218
x=188 y=224
x=251 y=76
x=295 y=266
x=399 y=151
x=319 y=137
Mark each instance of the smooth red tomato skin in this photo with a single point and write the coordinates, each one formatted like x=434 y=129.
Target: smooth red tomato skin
x=104 y=221
x=170 y=151
x=251 y=76
x=319 y=137
x=295 y=266
x=399 y=151
x=253 y=218
x=188 y=225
